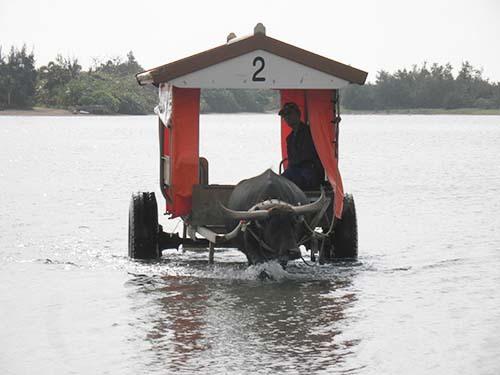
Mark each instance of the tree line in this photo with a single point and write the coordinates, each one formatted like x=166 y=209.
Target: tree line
x=110 y=87
x=106 y=88
x=425 y=87
x=238 y=100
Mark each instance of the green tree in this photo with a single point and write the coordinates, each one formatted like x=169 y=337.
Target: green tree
x=238 y=100
x=3 y=80
x=53 y=79
x=108 y=87
x=359 y=98
x=17 y=78
x=423 y=87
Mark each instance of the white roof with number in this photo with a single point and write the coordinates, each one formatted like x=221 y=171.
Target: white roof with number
x=255 y=62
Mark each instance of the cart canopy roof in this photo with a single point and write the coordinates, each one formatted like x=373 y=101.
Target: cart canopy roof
x=256 y=61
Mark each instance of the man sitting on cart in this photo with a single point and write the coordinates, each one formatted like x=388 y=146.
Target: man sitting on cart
x=304 y=166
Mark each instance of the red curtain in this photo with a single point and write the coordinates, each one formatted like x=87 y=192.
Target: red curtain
x=320 y=111
x=184 y=157
x=321 y=116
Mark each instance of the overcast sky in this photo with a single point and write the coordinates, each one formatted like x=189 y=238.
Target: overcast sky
x=369 y=35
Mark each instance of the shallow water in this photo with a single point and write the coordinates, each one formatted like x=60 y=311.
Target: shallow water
x=422 y=297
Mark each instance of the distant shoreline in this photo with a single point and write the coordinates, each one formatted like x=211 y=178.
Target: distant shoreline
x=40 y=111
x=37 y=111
x=426 y=111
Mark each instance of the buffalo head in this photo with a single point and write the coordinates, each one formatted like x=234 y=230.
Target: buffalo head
x=270 y=210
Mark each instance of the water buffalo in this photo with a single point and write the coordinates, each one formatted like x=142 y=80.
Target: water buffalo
x=270 y=209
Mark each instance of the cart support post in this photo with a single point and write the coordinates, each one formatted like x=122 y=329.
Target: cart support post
x=211 y=251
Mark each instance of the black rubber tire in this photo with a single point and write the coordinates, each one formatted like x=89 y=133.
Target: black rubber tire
x=345 y=236
x=143 y=229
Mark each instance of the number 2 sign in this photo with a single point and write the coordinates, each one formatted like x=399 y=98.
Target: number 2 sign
x=259 y=63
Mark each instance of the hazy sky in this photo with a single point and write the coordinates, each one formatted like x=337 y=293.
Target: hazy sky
x=370 y=35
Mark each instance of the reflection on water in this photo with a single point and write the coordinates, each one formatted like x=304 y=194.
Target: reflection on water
x=247 y=325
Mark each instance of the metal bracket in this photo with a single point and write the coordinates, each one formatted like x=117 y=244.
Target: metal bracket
x=219 y=238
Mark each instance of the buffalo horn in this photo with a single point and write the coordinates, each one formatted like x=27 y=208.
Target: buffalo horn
x=244 y=215
x=311 y=207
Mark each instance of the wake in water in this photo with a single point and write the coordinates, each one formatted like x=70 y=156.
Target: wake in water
x=230 y=265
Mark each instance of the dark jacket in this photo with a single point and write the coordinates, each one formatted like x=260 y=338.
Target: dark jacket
x=300 y=149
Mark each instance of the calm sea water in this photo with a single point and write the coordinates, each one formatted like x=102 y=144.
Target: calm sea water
x=423 y=297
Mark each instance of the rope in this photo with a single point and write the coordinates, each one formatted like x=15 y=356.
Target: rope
x=266 y=246
x=306 y=238
x=331 y=227
x=317 y=234
x=176 y=225
x=305 y=262
x=260 y=241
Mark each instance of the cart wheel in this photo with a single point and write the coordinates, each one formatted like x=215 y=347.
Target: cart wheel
x=345 y=236
x=143 y=227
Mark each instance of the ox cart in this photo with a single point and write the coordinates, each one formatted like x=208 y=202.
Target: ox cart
x=267 y=216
